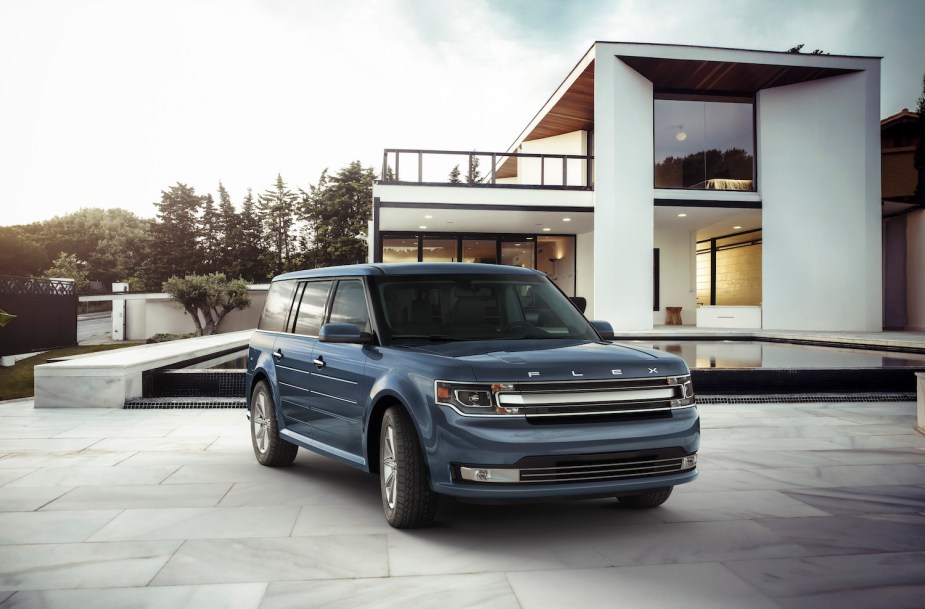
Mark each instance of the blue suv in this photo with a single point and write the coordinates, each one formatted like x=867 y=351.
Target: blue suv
x=481 y=382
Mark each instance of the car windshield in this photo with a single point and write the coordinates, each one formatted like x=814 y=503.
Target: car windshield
x=476 y=307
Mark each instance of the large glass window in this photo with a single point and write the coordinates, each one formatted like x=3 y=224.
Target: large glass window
x=400 y=249
x=704 y=144
x=479 y=250
x=517 y=253
x=438 y=250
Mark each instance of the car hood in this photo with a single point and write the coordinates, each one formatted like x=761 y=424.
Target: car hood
x=556 y=360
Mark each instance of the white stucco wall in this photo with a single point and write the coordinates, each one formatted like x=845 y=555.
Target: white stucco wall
x=624 y=178
x=915 y=270
x=584 y=271
x=528 y=169
x=677 y=284
x=819 y=179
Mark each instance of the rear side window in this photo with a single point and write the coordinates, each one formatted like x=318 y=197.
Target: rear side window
x=349 y=305
x=276 y=309
x=311 y=309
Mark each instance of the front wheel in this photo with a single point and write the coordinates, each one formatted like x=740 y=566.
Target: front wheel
x=647 y=500
x=269 y=448
x=407 y=499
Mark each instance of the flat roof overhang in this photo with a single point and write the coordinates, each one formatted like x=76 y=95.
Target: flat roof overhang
x=571 y=107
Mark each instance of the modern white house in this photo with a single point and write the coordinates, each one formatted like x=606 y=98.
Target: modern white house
x=664 y=184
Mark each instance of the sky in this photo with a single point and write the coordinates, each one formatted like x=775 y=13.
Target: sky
x=107 y=103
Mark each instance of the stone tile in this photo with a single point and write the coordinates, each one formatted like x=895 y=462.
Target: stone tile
x=871 y=581
x=147 y=444
x=689 y=542
x=863 y=500
x=237 y=472
x=734 y=505
x=815 y=458
x=23 y=432
x=94 y=430
x=84 y=459
x=82 y=565
x=206 y=561
x=910 y=440
x=220 y=596
x=446 y=551
x=180 y=457
x=694 y=586
x=148 y=496
x=9 y=474
x=52 y=527
x=332 y=519
x=851 y=534
x=199 y=523
x=484 y=590
x=45 y=445
x=738 y=444
x=94 y=476
x=895 y=474
x=283 y=493
x=28 y=499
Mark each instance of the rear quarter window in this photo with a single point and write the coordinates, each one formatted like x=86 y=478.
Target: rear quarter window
x=276 y=309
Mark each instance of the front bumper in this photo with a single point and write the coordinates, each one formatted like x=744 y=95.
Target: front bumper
x=462 y=446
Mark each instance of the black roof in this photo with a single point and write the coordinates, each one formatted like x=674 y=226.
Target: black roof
x=409 y=268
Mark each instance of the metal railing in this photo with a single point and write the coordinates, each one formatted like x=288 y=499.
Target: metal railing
x=529 y=169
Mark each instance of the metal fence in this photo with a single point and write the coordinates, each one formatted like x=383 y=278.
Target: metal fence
x=46 y=314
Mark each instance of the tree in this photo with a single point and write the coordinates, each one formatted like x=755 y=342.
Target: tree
x=474 y=176
x=68 y=266
x=454 y=175
x=209 y=236
x=276 y=209
x=208 y=298
x=19 y=255
x=798 y=49
x=337 y=212
x=250 y=254
x=228 y=236
x=175 y=235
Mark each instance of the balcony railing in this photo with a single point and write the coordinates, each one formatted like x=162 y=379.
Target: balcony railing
x=465 y=168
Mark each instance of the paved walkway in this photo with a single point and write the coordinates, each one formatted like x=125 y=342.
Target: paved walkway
x=798 y=506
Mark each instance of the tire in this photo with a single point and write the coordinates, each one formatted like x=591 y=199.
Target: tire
x=407 y=500
x=647 y=500
x=269 y=448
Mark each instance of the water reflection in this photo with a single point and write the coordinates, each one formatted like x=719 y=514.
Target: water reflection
x=756 y=354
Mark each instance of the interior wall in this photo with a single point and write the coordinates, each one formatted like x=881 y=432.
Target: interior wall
x=529 y=169
x=819 y=179
x=584 y=270
x=676 y=284
x=915 y=270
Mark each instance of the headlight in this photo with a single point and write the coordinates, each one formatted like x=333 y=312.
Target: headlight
x=686 y=397
x=474 y=398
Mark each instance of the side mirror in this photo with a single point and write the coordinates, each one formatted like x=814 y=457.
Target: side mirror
x=579 y=301
x=343 y=333
x=603 y=328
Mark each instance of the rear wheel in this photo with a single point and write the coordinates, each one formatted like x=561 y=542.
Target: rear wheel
x=407 y=499
x=647 y=500
x=269 y=448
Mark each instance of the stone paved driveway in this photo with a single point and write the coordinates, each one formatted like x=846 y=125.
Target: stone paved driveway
x=797 y=506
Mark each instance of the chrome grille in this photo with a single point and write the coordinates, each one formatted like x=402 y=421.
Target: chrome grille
x=602 y=471
x=595 y=398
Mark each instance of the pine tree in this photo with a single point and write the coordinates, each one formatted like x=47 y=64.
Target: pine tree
x=174 y=241
x=474 y=176
x=229 y=235
x=455 y=175
x=209 y=236
x=250 y=254
x=337 y=211
x=276 y=208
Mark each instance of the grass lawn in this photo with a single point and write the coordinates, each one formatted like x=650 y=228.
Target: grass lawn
x=17 y=381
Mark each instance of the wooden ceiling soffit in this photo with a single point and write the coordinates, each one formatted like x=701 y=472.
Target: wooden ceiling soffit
x=723 y=76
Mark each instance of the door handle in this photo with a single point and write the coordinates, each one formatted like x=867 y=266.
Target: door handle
x=278 y=354
x=319 y=362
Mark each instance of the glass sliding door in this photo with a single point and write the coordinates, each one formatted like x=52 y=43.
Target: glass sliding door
x=480 y=250
x=438 y=249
